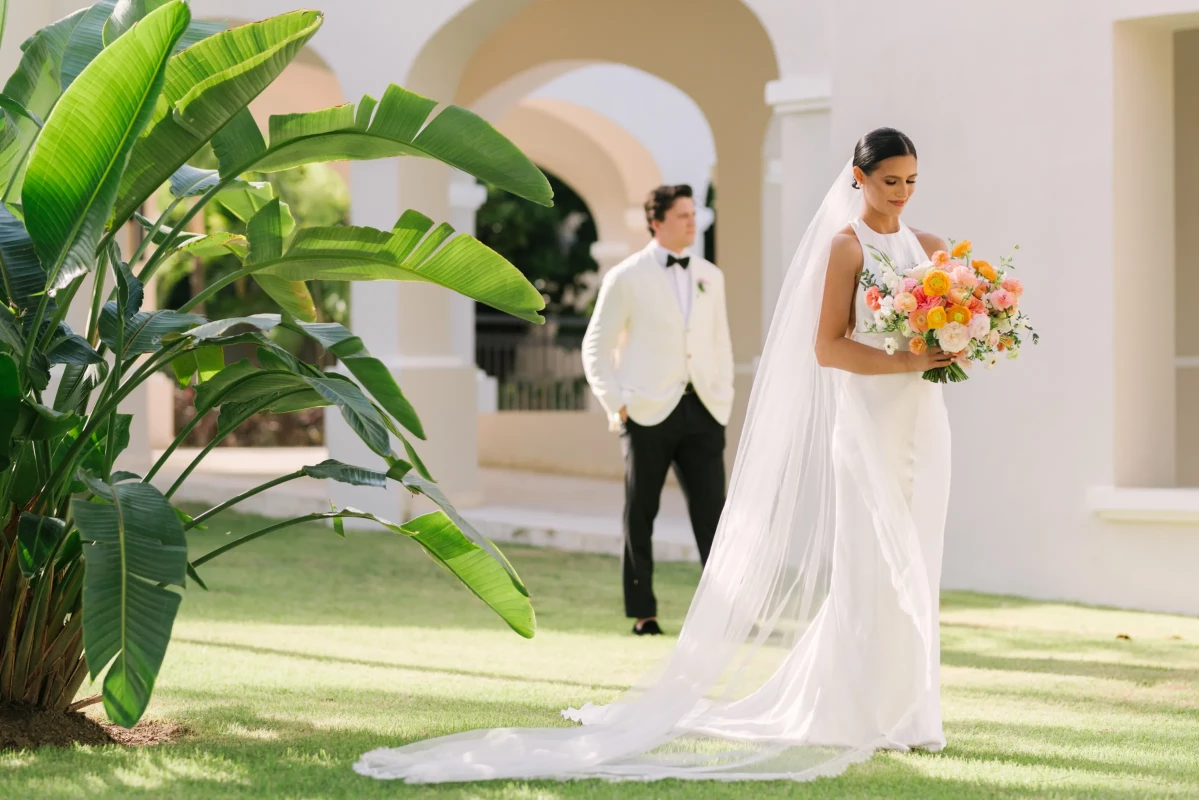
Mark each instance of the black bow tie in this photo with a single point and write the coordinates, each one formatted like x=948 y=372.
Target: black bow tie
x=682 y=262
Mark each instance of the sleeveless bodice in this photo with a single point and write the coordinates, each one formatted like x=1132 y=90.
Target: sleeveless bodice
x=904 y=250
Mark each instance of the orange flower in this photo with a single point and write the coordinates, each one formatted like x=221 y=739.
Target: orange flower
x=937 y=318
x=957 y=313
x=959 y=296
x=917 y=345
x=937 y=283
x=1006 y=343
x=985 y=269
x=980 y=291
x=941 y=259
x=962 y=248
x=976 y=306
x=918 y=322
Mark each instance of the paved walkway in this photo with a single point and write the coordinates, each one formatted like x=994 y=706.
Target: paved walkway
x=538 y=509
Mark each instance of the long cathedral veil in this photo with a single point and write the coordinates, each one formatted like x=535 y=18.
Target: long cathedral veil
x=723 y=705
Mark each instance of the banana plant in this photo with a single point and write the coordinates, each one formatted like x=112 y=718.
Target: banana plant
x=107 y=106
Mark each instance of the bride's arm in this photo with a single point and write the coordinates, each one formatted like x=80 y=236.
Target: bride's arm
x=834 y=348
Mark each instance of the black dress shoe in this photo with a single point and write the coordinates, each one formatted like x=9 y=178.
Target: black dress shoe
x=647 y=628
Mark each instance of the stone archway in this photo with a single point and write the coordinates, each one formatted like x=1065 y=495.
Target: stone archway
x=723 y=58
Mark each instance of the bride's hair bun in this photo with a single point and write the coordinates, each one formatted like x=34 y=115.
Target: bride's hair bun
x=879 y=145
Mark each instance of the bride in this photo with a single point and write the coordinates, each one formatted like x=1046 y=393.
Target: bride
x=812 y=639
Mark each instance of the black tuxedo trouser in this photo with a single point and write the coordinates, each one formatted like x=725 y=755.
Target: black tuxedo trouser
x=692 y=441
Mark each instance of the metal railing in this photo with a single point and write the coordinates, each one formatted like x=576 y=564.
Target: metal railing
x=536 y=367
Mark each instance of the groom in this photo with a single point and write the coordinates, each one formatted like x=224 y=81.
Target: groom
x=658 y=357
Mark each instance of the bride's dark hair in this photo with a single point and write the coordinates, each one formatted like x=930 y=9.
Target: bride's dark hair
x=879 y=145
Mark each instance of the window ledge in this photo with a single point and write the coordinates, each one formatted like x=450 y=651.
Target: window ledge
x=1115 y=504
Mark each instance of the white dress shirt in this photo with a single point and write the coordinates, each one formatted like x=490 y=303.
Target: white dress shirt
x=680 y=278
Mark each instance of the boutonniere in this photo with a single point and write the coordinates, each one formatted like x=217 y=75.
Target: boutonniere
x=702 y=285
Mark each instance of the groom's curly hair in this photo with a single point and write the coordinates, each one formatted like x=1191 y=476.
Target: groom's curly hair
x=661 y=200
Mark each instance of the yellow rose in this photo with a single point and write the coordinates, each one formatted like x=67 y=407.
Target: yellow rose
x=936 y=318
x=937 y=283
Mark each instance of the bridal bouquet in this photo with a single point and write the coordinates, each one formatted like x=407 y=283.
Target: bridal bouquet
x=959 y=303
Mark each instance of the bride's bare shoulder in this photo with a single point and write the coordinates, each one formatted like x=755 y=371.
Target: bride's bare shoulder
x=931 y=242
x=845 y=252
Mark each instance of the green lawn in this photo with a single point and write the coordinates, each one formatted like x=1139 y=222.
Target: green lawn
x=310 y=650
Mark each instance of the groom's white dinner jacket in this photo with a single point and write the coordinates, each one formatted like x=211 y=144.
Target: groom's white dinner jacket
x=645 y=342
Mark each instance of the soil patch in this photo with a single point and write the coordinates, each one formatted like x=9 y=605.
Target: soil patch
x=28 y=728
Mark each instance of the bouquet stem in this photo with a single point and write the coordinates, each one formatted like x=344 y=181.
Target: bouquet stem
x=951 y=374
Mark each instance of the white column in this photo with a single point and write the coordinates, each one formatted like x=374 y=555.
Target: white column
x=798 y=177
x=373 y=317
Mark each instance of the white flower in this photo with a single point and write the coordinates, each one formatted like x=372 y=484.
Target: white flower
x=954 y=337
x=993 y=339
x=887 y=303
x=905 y=329
x=1013 y=355
x=881 y=317
x=1004 y=325
x=992 y=360
x=918 y=271
x=890 y=345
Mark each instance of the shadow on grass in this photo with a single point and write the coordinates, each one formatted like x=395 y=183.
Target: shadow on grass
x=238 y=751
x=363 y=662
x=1107 y=670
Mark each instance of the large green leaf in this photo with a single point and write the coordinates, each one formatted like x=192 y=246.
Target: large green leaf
x=37 y=85
x=410 y=251
x=357 y=411
x=128 y=12
x=265 y=231
x=403 y=124
x=76 y=383
x=492 y=580
x=76 y=164
x=372 y=373
x=333 y=470
x=129 y=547
x=145 y=329
x=10 y=406
x=21 y=274
x=37 y=537
x=86 y=42
x=206 y=86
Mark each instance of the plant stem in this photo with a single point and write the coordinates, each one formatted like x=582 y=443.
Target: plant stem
x=221 y=283
x=165 y=248
x=64 y=305
x=93 y=320
x=31 y=343
x=261 y=532
x=262 y=487
x=220 y=437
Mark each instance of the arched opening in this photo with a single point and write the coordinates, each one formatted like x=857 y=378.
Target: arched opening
x=494 y=58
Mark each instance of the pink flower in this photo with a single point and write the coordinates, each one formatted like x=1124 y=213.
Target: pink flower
x=924 y=302
x=1001 y=299
x=905 y=302
x=1014 y=286
x=980 y=326
x=964 y=276
x=909 y=284
x=993 y=339
x=873 y=296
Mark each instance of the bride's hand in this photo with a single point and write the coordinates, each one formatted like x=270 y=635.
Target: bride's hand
x=932 y=358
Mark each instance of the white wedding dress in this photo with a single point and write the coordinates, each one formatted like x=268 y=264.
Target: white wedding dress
x=812 y=639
